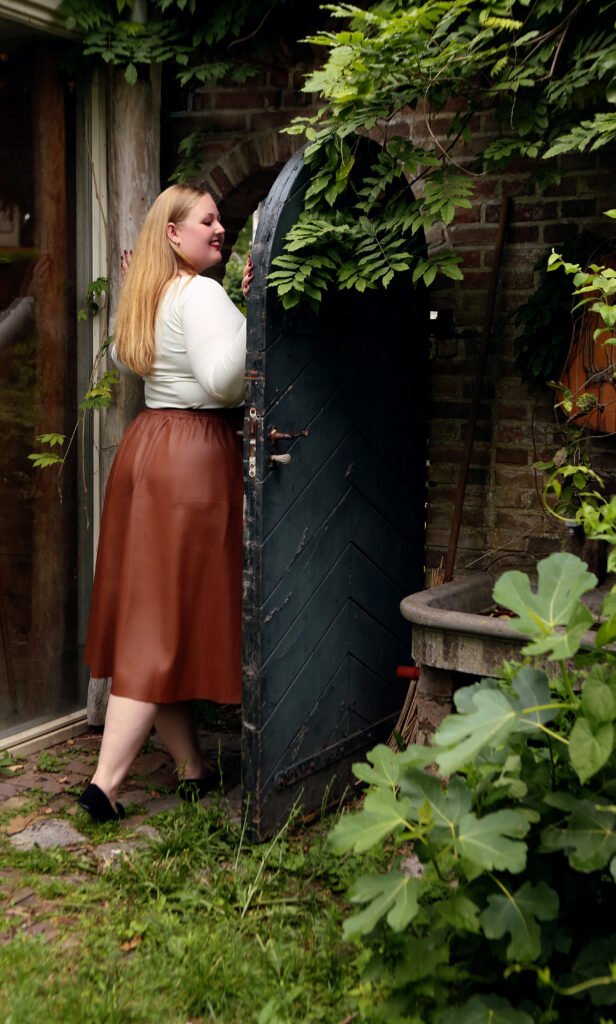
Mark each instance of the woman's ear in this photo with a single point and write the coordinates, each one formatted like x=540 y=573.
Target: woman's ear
x=172 y=233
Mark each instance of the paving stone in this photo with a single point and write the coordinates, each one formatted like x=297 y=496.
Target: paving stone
x=14 y=803
x=12 y=788
x=109 y=854
x=148 y=763
x=47 y=833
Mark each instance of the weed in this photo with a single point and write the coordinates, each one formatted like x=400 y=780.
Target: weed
x=49 y=762
x=200 y=924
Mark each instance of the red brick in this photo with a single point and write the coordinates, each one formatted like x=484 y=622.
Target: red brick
x=476 y=279
x=244 y=99
x=512 y=456
x=555 y=233
x=567 y=186
x=512 y=412
x=514 y=476
x=266 y=121
x=578 y=162
x=523 y=212
x=520 y=521
x=470 y=258
x=473 y=234
x=521 y=234
x=221 y=180
x=579 y=207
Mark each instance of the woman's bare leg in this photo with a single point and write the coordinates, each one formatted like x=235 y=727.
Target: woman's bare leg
x=127 y=726
x=177 y=728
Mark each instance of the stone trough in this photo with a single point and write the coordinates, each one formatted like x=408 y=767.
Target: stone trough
x=456 y=641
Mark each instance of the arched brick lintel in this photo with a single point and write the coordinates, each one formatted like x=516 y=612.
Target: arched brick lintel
x=243 y=175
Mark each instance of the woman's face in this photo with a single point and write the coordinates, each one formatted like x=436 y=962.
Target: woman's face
x=200 y=236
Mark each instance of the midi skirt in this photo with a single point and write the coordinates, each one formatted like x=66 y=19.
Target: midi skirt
x=165 y=619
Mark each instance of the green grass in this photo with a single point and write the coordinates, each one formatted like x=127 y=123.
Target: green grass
x=200 y=926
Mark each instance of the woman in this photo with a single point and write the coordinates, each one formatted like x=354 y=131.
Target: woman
x=165 y=622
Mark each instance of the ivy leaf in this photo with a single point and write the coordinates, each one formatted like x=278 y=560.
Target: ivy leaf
x=393 y=896
x=382 y=814
x=588 y=836
x=562 y=579
x=131 y=74
x=517 y=914
x=590 y=747
x=492 y=842
x=484 y=1010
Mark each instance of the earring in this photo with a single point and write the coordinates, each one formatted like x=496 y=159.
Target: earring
x=174 y=241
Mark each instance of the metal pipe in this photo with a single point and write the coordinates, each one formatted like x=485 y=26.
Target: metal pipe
x=476 y=399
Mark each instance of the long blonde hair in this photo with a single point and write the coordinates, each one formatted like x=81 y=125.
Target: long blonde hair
x=155 y=263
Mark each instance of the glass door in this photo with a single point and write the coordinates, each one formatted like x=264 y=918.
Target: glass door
x=38 y=528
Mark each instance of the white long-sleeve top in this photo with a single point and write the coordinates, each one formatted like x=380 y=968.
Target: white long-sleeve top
x=200 y=352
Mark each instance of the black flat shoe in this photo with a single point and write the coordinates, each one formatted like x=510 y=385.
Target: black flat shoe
x=98 y=805
x=195 y=789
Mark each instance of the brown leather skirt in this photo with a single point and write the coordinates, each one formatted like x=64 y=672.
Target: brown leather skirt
x=165 y=621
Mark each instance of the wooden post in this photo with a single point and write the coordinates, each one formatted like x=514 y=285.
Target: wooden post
x=52 y=516
x=134 y=183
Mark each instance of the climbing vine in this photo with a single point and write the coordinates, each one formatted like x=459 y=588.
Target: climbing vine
x=544 y=71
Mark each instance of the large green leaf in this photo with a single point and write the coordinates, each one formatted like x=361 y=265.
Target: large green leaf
x=385 y=771
x=393 y=896
x=492 y=842
x=516 y=915
x=381 y=815
x=588 y=836
x=599 y=695
x=458 y=911
x=491 y=716
x=590 y=747
x=562 y=580
x=434 y=804
x=464 y=736
x=484 y=1010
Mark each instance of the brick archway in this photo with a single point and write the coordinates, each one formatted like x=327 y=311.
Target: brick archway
x=242 y=176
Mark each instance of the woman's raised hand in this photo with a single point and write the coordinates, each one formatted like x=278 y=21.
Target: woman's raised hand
x=247 y=277
x=125 y=258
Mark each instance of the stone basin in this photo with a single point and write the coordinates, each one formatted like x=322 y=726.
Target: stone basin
x=456 y=641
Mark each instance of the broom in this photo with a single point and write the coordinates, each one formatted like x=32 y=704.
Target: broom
x=405 y=730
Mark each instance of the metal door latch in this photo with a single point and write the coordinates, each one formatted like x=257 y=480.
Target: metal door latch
x=276 y=435
x=253 y=424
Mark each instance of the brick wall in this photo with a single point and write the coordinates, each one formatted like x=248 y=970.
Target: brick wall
x=503 y=522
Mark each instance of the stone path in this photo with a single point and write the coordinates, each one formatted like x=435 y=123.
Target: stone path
x=38 y=809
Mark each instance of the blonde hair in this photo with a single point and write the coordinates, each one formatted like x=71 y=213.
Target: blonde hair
x=155 y=263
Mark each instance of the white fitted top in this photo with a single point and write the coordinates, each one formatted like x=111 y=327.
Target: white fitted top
x=200 y=352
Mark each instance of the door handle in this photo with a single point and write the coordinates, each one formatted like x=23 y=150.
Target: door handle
x=278 y=435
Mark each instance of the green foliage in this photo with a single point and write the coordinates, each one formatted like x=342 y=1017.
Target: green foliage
x=543 y=71
x=177 y=33
x=99 y=394
x=544 y=323
x=483 y=914
x=572 y=489
x=194 y=925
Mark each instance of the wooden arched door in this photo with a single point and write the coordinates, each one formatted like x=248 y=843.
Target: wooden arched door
x=334 y=538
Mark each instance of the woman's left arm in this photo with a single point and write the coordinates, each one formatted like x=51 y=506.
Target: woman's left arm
x=215 y=337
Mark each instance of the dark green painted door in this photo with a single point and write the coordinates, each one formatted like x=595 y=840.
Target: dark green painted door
x=334 y=537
